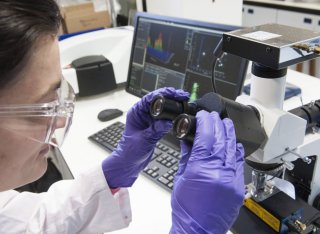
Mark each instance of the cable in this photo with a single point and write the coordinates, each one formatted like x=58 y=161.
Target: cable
x=212 y=75
x=217 y=53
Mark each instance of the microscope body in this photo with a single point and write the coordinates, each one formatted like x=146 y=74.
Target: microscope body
x=285 y=131
x=272 y=48
x=287 y=140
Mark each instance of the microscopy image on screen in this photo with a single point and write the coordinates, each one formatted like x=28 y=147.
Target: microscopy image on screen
x=201 y=56
x=166 y=47
x=197 y=85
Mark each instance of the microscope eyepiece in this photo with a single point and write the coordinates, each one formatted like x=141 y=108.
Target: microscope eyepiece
x=157 y=106
x=165 y=108
x=184 y=127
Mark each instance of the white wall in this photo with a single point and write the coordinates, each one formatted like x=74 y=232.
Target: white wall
x=139 y=5
x=216 y=11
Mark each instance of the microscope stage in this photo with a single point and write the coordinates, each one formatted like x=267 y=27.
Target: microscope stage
x=273 y=45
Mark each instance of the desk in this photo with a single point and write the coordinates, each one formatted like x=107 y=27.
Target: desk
x=150 y=203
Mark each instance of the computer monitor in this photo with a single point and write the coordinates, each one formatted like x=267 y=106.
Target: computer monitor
x=172 y=52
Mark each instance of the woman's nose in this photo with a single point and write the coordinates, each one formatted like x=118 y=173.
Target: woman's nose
x=60 y=122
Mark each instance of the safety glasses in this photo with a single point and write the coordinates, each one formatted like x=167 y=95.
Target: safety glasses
x=46 y=123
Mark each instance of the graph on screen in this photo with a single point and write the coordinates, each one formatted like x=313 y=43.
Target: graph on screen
x=155 y=49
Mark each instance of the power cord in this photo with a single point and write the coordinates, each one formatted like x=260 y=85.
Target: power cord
x=217 y=53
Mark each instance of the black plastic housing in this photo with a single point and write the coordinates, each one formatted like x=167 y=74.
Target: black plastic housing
x=95 y=75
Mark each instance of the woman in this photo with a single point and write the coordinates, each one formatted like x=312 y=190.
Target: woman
x=36 y=107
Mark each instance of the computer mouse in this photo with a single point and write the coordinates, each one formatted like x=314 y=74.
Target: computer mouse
x=109 y=114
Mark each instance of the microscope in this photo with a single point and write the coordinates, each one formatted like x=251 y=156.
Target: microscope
x=291 y=135
x=276 y=142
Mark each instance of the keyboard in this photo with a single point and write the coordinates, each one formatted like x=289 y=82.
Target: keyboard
x=164 y=162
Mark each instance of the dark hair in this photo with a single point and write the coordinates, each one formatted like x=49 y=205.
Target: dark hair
x=22 y=23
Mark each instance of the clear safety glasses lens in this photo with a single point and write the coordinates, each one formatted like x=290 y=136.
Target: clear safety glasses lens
x=46 y=123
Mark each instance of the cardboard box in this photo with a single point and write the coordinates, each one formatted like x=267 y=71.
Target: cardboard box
x=83 y=17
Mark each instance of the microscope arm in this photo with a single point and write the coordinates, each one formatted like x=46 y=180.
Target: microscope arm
x=311 y=144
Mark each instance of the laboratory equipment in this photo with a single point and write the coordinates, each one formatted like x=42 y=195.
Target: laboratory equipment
x=291 y=135
x=113 y=43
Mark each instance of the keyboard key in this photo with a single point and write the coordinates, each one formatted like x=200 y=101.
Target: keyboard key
x=159 y=159
x=176 y=154
x=163 y=180
x=155 y=168
x=173 y=161
x=154 y=174
x=165 y=148
x=170 y=178
x=171 y=172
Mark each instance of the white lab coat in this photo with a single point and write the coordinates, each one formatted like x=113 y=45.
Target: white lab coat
x=83 y=205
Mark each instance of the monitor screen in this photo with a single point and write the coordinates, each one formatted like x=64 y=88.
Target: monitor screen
x=172 y=52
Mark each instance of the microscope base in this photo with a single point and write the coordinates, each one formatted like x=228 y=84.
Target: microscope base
x=282 y=213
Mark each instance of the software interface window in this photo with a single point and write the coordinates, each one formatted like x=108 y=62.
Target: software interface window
x=174 y=55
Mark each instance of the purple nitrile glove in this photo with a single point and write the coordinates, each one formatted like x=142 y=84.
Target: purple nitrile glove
x=138 y=141
x=209 y=186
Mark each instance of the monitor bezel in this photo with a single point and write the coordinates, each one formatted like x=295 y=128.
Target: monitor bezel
x=201 y=24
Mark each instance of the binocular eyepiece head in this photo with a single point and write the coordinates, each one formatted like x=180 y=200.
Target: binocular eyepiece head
x=246 y=119
x=179 y=112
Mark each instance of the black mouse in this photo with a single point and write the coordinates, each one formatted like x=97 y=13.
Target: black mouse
x=109 y=114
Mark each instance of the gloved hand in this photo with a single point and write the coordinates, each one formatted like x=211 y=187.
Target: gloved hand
x=138 y=141
x=209 y=186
